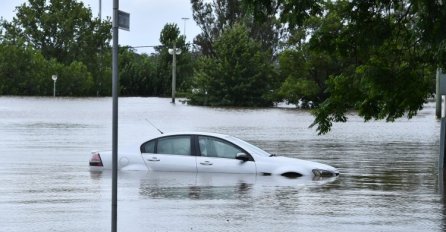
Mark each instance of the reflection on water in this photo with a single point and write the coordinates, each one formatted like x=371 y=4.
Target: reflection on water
x=389 y=179
x=215 y=186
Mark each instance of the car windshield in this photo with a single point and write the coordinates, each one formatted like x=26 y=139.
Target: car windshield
x=256 y=149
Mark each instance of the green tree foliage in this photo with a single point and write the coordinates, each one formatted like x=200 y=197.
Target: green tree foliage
x=240 y=74
x=73 y=79
x=62 y=30
x=307 y=63
x=292 y=13
x=215 y=17
x=24 y=71
x=169 y=35
x=17 y=66
x=137 y=73
x=236 y=67
x=385 y=71
x=375 y=57
x=297 y=89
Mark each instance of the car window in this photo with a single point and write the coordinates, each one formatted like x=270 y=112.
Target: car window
x=256 y=149
x=174 y=145
x=148 y=147
x=213 y=147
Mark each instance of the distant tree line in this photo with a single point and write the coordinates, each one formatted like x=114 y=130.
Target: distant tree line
x=375 y=57
x=60 y=37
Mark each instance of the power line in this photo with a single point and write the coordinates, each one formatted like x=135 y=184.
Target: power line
x=145 y=46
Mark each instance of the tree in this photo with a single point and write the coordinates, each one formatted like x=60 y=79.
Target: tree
x=309 y=59
x=63 y=30
x=73 y=79
x=298 y=87
x=386 y=73
x=169 y=35
x=138 y=76
x=19 y=70
x=382 y=53
x=219 y=15
x=292 y=13
x=240 y=74
x=24 y=71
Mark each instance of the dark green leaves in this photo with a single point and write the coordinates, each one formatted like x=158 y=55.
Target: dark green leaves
x=239 y=75
x=63 y=31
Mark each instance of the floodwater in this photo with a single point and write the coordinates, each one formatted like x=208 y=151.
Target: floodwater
x=389 y=177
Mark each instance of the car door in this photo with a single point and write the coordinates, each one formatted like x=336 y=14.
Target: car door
x=170 y=154
x=218 y=155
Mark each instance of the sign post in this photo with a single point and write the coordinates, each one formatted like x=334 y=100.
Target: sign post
x=121 y=20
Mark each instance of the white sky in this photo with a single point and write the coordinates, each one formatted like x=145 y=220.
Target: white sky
x=147 y=18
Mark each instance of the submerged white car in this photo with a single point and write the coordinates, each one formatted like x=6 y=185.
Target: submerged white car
x=208 y=153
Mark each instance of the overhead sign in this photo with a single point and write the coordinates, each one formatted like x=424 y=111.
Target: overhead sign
x=123 y=20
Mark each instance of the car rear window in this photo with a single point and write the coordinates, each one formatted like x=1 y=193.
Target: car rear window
x=148 y=147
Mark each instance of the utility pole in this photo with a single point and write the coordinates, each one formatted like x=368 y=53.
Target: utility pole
x=174 y=52
x=184 y=27
x=100 y=10
x=98 y=80
x=174 y=72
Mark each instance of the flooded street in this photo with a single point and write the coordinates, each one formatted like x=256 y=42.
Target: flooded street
x=389 y=178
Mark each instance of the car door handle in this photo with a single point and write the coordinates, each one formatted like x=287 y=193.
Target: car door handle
x=153 y=159
x=207 y=163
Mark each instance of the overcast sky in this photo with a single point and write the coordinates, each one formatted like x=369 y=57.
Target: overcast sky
x=147 y=18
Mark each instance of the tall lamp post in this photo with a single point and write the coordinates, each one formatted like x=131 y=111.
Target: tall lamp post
x=54 y=77
x=184 y=28
x=174 y=51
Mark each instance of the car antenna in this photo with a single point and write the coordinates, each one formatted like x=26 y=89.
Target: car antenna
x=154 y=126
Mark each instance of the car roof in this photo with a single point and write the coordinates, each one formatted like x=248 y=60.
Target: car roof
x=223 y=136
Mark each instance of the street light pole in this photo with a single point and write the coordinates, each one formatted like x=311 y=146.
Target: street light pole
x=98 y=80
x=174 y=52
x=54 y=77
x=174 y=72
x=184 y=27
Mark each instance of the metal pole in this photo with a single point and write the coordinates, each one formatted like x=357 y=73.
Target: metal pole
x=441 y=160
x=442 y=97
x=54 y=89
x=174 y=71
x=442 y=107
x=98 y=79
x=184 y=26
x=438 y=95
x=115 y=84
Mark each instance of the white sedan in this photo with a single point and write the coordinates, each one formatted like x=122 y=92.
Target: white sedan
x=208 y=152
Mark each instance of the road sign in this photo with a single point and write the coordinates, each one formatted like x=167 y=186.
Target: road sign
x=123 y=20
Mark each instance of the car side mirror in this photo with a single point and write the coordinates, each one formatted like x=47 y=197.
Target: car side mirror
x=243 y=157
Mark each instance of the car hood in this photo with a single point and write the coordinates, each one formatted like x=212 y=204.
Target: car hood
x=281 y=164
